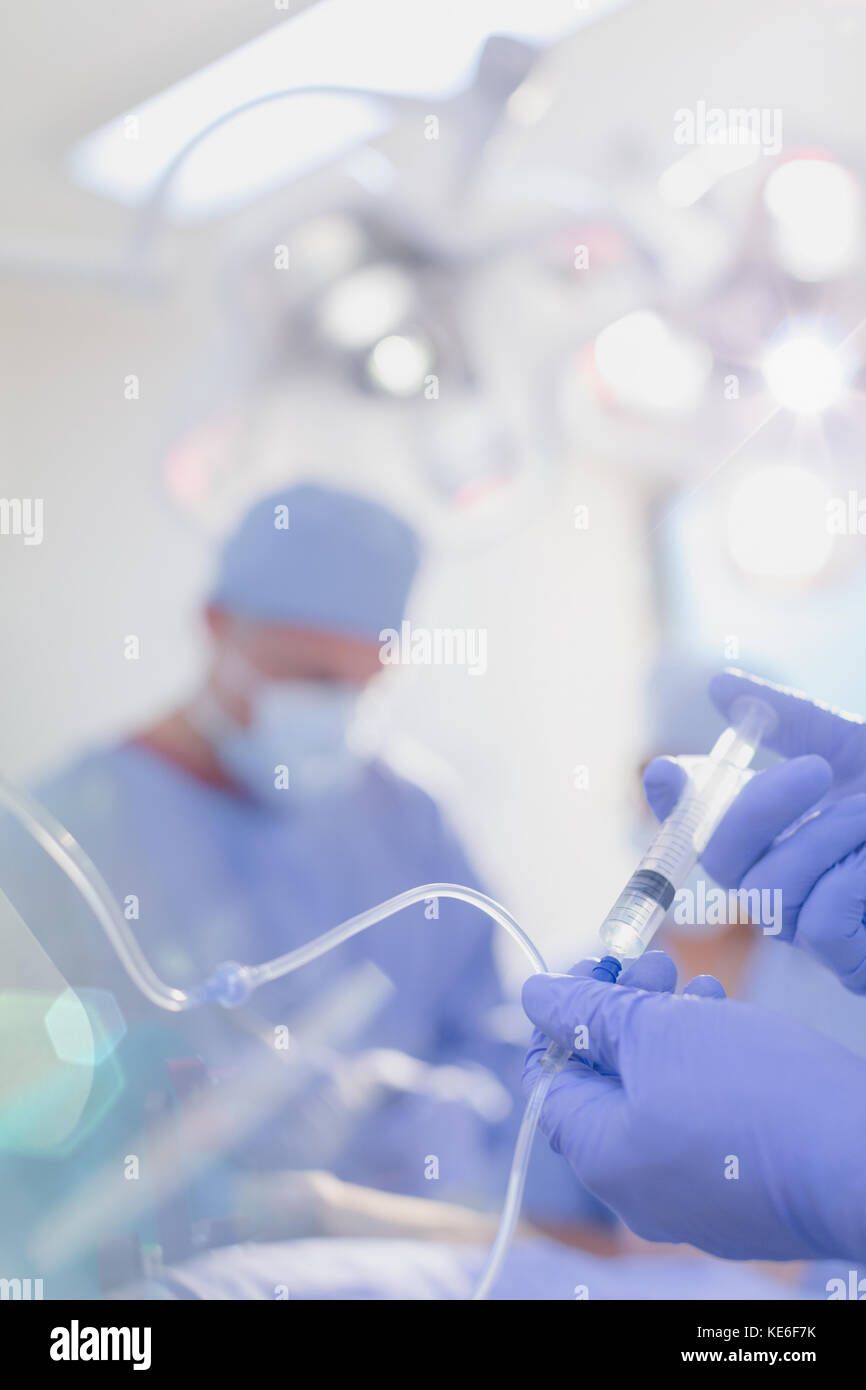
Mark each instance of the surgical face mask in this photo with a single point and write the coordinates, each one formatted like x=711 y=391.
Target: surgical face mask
x=294 y=748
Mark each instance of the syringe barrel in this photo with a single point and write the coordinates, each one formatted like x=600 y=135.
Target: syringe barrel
x=636 y=915
x=643 y=903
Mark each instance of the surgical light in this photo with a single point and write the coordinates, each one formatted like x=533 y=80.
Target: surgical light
x=240 y=159
x=682 y=184
x=816 y=211
x=649 y=365
x=805 y=373
x=529 y=103
x=326 y=246
x=776 y=523
x=366 y=305
x=431 y=51
x=399 y=364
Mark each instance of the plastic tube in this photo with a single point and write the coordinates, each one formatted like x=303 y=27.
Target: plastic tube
x=516 y=1180
x=293 y=960
x=81 y=871
x=231 y=983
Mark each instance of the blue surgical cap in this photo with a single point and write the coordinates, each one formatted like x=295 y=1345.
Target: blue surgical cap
x=315 y=557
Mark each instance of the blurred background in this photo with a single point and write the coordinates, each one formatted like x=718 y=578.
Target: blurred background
x=578 y=287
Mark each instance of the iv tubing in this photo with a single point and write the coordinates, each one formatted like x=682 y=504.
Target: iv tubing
x=81 y=871
x=66 y=852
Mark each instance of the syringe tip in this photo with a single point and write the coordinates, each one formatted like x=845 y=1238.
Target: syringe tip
x=607 y=969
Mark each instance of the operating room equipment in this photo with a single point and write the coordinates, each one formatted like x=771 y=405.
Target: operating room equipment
x=626 y=931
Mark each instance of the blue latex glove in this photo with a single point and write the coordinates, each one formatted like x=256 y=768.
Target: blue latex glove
x=674 y=1093
x=819 y=865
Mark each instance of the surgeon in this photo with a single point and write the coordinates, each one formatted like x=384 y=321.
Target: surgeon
x=245 y=823
x=706 y=1120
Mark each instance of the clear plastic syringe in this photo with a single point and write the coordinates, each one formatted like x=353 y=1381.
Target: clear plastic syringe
x=713 y=785
x=680 y=840
x=640 y=910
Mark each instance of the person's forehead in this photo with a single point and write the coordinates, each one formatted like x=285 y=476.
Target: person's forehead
x=282 y=647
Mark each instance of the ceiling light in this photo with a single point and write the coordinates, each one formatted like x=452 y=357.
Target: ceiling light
x=366 y=305
x=649 y=365
x=431 y=51
x=776 y=523
x=399 y=364
x=816 y=210
x=805 y=374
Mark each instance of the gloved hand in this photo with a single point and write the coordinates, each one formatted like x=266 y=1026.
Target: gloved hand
x=703 y=1119
x=818 y=865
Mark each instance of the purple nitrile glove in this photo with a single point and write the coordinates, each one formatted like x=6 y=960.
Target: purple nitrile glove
x=817 y=865
x=701 y=1119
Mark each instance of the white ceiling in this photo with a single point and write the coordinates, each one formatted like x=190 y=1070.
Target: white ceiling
x=67 y=68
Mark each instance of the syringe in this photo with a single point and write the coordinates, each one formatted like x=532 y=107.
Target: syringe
x=678 y=843
x=638 y=912
x=681 y=839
